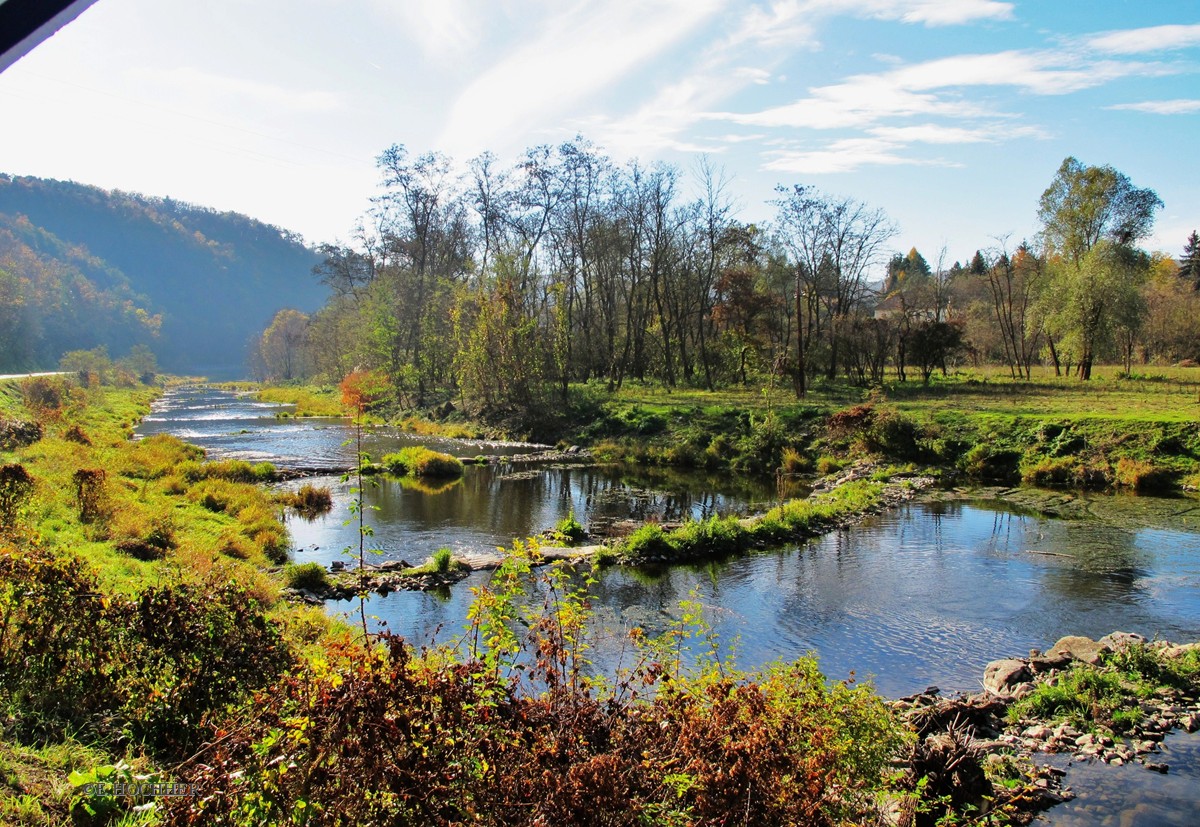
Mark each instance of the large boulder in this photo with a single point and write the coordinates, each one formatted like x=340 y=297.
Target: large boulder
x=1081 y=648
x=1001 y=677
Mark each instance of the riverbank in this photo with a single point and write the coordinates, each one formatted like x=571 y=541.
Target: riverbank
x=1111 y=701
x=1115 y=432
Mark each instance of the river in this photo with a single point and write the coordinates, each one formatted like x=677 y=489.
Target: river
x=925 y=594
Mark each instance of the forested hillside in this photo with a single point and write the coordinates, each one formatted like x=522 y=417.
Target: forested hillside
x=82 y=267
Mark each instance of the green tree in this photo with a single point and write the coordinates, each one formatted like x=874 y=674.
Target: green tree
x=1089 y=303
x=1091 y=218
x=282 y=345
x=1189 y=262
x=94 y=364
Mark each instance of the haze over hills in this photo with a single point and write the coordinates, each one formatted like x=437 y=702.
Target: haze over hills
x=81 y=267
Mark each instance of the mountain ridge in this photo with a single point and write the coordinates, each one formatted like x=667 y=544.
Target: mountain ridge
x=81 y=266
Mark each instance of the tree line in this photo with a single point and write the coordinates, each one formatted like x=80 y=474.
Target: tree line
x=502 y=285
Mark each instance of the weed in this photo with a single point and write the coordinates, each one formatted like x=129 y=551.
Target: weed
x=309 y=576
x=441 y=560
x=570 y=530
x=1141 y=475
x=309 y=501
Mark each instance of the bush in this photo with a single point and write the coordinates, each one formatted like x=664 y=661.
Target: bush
x=1141 y=475
x=76 y=434
x=793 y=462
x=1052 y=472
x=89 y=493
x=142 y=533
x=44 y=395
x=648 y=541
x=794 y=748
x=827 y=465
x=892 y=434
x=17 y=433
x=307 y=576
x=16 y=486
x=988 y=464
x=151 y=669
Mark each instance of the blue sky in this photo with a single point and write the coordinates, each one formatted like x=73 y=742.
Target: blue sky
x=952 y=115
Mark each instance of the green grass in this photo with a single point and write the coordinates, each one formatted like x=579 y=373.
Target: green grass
x=310 y=576
x=419 y=461
x=727 y=536
x=310 y=400
x=1109 y=695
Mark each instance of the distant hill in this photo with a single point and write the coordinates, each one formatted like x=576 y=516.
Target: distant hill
x=81 y=267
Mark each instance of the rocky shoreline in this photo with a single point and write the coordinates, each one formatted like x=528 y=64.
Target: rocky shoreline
x=964 y=740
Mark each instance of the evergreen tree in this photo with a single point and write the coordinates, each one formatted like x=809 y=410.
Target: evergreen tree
x=1189 y=263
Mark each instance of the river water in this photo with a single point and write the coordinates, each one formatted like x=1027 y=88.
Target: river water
x=925 y=594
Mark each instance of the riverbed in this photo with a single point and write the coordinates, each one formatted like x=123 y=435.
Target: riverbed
x=924 y=594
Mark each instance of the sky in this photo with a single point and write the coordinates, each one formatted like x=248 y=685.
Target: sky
x=951 y=115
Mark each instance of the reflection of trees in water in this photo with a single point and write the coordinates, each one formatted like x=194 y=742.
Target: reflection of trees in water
x=1105 y=565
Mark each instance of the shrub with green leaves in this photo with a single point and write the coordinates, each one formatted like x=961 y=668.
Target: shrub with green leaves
x=151 y=668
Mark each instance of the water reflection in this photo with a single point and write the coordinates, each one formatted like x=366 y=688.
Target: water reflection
x=918 y=596
x=1132 y=796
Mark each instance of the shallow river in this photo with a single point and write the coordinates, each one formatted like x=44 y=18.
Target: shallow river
x=923 y=595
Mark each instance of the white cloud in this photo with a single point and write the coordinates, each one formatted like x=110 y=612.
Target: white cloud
x=929 y=12
x=783 y=22
x=578 y=52
x=753 y=75
x=929 y=88
x=1180 y=106
x=845 y=155
x=1150 y=39
x=444 y=30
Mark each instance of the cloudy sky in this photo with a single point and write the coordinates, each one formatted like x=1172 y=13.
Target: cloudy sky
x=952 y=115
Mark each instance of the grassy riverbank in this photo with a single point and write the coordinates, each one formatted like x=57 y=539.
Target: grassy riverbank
x=1114 y=431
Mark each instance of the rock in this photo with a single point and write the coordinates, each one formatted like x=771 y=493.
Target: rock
x=1191 y=723
x=394 y=565
x=1045 y=663
x=1085 y=740
x=1081 y=648
x=1001 y=676
x=1181 y=650
x=1118 y=641
x=337 y=565
x=1023 y=690
x=1041 y=733
x=1159 y=768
